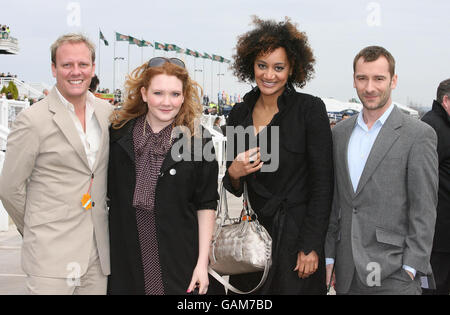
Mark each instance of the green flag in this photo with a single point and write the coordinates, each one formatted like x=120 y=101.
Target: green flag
x=207 y=56
x=134 y=41
x=145 y=43
x=218 y=58
x=192 y=53
x=160 y=46
x=171 y=47
x=122 y=38
x=103 y=39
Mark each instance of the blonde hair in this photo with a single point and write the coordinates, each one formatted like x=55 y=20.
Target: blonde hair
x=73 y=39
x=134 y=106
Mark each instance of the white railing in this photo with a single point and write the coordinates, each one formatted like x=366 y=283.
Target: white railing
x=9 y=109
x=24 y=89
x=40 y=86
x=219 y=141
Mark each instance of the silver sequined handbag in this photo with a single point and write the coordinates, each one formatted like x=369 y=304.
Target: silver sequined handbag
x=240 y=245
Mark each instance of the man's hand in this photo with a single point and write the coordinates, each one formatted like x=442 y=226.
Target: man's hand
x=410 y=274
x=329 y=270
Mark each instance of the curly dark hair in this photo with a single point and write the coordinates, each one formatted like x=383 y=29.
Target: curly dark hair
x=265 y=38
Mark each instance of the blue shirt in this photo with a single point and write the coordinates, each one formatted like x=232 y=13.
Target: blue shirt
x=360 y=144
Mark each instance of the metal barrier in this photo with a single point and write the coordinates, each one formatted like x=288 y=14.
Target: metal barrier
x=24 y=88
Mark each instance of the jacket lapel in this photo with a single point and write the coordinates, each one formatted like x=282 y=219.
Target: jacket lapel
x=124 y=137
x=169 y=161
x=65 y=123
x=386 y=138
x=100 y=115
x=344 y=153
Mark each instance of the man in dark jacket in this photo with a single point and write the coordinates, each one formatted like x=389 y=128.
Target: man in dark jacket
x=439 y=119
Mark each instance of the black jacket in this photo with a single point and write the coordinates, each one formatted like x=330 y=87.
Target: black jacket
x=179 y=194
x=294 y=202
x=440 y=121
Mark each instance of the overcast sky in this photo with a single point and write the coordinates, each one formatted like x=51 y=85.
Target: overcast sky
x=416 y=32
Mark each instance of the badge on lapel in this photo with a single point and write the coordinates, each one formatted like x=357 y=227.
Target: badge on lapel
x=86 y=202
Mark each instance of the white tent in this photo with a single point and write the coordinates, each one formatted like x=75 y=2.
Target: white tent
x=336 y=107
x=407 y=110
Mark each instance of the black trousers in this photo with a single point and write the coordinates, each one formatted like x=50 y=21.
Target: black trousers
x=440 y=263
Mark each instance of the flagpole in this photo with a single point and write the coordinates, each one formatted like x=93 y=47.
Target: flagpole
x=129 y=56
x=114 y=62
x=99 y=45
x=195 y=69
x=212 y=77
x=204 y=88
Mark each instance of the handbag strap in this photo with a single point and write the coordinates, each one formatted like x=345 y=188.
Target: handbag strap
x=222 y=209
x=224 y=217
x=228 y=286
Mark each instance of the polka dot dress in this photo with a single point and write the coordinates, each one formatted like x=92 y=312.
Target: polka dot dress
x=150 y=150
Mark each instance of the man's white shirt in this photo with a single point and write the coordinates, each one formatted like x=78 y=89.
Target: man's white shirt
x=91 y=138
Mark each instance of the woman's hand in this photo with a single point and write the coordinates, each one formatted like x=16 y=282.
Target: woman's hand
x=245 y=163
x=199 y=280
x=307 y=264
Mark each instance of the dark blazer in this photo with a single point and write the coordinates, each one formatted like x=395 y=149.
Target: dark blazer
x=182 y=188
x=440 y=121
x=294 y=201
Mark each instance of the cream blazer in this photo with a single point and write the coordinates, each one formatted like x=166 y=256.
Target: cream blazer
x=44 y=176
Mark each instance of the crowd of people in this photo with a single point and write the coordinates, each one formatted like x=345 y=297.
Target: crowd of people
x=4 y=31
x=362 y=207
x=8 y=75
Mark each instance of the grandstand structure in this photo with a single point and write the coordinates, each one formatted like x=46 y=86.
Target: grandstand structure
x=8 y=44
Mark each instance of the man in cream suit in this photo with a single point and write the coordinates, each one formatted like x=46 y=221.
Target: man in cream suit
x=57 y=155
x=386 y=173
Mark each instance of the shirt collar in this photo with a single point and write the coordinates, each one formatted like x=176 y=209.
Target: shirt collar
x=90 y=98
x=380 y=121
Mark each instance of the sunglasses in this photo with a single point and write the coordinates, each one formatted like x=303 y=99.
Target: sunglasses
x=159 y=61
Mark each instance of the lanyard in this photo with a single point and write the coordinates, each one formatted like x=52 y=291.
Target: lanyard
x=86 y=201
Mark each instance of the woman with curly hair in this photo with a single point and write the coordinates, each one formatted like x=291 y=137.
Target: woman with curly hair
x=162 y=206
x=293 y=201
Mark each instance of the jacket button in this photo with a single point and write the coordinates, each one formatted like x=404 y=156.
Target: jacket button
x=355 y=211
x=173 y=172
x=93 y=204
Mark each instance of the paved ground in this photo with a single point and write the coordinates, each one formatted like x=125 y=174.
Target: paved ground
x=12 y=278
